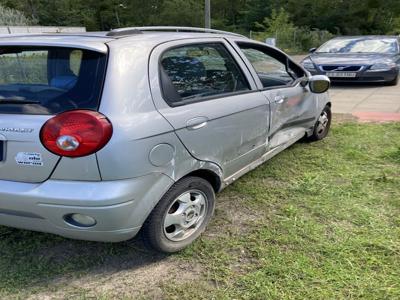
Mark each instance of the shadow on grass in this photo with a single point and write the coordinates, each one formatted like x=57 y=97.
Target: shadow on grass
x=33 y=260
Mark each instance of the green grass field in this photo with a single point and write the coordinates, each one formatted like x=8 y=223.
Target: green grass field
x=319 y=221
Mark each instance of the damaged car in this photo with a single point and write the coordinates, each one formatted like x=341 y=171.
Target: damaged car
x=103 y=135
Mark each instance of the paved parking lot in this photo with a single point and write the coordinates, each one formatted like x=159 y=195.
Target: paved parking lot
x=365 y=98
x=368 y=102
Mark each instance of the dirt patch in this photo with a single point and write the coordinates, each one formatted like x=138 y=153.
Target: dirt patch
x=140 y=274
x=144 y=281
x=344 y=118
x=232 y=216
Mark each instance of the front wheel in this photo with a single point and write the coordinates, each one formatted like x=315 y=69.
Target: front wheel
x=181 y=215
x=322 y=126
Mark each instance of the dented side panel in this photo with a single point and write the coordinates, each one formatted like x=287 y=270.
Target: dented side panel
x=232 y=130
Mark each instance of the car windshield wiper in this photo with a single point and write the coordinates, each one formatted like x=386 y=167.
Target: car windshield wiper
x=17 y=100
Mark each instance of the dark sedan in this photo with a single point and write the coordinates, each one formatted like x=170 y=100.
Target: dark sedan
x=357 y=59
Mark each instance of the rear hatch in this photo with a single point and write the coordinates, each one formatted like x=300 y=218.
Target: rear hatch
x=36 y=83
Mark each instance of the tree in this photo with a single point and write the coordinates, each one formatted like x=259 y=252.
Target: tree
x=12 y=17
x=182 y=13
x=278 y=22
x=228 y=14
x=336 y=16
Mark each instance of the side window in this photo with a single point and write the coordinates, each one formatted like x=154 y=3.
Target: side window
x=192 y=72
x=272 y=71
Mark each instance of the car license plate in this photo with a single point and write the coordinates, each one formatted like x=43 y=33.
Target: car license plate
x=341 y=74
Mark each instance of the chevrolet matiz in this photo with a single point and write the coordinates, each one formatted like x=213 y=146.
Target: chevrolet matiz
x=103 y=135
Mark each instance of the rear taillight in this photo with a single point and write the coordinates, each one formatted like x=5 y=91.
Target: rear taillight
x=76 y=133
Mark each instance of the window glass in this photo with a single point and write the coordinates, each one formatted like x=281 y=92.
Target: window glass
x=198 y=71
x=24 y=66
x=271 y=71
x=75 y=60
x=360 y=45
x=49 y=80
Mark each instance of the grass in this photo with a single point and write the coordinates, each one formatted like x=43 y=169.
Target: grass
x=319 y=221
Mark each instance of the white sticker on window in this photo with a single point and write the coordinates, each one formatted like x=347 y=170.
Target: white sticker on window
x=29 y=159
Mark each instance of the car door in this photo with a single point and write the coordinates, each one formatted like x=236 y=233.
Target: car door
x=293 y=106
x=205 y=91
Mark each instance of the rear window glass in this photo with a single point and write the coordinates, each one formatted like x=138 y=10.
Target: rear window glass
x=50 y=80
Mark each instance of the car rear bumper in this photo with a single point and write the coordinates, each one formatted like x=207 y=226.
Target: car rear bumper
x=119 y=207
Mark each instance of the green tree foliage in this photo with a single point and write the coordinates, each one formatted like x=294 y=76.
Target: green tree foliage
x=296 y=19
x=12 y=17
x=346 y=17
x=288 y=36
x=279 y=21
x=396 y=26
x=228 y=15
x=182 y=12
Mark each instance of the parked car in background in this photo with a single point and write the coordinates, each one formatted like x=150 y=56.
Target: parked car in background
x=104 y=134
x=357 y=59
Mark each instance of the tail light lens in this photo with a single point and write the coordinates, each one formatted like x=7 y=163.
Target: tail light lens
x=76 y=133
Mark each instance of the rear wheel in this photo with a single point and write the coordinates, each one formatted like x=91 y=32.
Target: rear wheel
x=322 y=126
x=181 y=215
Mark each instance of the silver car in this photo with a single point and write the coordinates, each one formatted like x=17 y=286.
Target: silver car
x=106 y=134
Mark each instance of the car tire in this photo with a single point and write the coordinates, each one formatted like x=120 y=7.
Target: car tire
x=322 y=126
x=181 y=215
x=394 y=81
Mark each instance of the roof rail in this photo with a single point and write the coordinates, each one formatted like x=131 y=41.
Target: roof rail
x=138 y=30
x=123 y=31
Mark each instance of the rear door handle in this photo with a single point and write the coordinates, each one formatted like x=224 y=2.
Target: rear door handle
x=196 y=123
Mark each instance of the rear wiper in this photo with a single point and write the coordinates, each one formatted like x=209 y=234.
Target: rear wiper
x=17 y=101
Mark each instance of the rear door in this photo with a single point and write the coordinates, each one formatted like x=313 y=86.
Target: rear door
x=205 y=91
x=37 y=82
x=293 y=106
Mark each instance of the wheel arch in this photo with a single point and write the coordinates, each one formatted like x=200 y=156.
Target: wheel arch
x=212 y=177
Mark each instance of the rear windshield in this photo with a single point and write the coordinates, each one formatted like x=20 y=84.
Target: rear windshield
x=49 y=80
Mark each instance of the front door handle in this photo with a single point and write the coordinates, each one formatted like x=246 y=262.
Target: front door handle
x=280 y=99
x=196 y=123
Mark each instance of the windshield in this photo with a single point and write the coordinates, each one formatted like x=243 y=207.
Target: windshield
x=49 y=80
x=360 y=45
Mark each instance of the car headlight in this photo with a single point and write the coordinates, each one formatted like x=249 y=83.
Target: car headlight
x=382 y=67
x=307 y=64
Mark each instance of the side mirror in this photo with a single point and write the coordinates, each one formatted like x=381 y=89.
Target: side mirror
x=319 y=84
x=312 y=50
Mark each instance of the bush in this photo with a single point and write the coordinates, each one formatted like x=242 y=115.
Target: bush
x=289 y=37
x=12 y=17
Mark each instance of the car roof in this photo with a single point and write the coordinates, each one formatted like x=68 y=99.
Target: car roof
x=83 y=41
x=97 y=40
x=366 y=37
